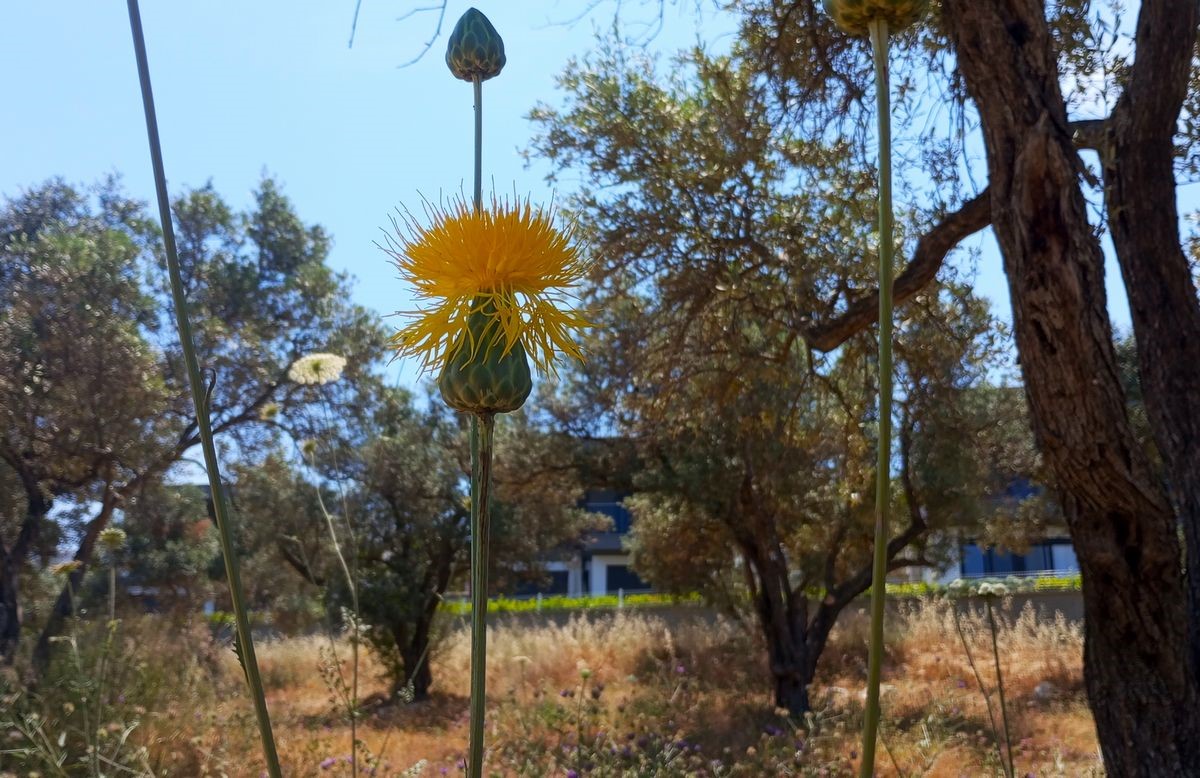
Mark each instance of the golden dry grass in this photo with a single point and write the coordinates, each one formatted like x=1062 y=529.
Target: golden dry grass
x=696 y=680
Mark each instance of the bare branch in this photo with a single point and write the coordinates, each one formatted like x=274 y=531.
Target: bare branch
x=1089 y=134
x=932 y=248
x=354 y=23
x=437 y=31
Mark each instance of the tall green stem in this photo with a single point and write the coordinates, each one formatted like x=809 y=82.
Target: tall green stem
x=482 y=427
x=200 y=403
x=351 y=583
x=112 y=591
x=477 y=85
x=482 y=435
x=879 y=43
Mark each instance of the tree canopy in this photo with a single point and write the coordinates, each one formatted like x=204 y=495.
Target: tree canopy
x=94 y=404
x=723 y=235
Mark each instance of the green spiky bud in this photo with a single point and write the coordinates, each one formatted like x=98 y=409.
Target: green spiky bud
x=479 y=377
x=475 y=49
x=112 y=538
x=855 y=16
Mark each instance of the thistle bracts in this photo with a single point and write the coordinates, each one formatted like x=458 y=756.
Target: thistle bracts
x=855 y=16
x=482 y=376
x=475 y=50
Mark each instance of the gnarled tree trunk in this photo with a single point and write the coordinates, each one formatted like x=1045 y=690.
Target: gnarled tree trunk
x=10 y=609
x=1139 y=679
x=794 y=631
x=64 y=605
x=12 y=560
x=1138 y=152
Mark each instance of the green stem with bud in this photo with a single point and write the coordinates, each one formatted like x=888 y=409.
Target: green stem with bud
x=477 y=86
x=200 y=402
x=879 y=44
x=483 y=428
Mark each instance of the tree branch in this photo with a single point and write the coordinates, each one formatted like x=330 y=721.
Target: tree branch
x=932 y=248
x=296 y=562
x=1090 y=134
x=931 y=252
x=859 y=582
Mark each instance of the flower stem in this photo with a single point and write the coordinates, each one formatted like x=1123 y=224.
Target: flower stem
x=351 y=583
x=477 y=86
x=482 y=435
x=987 y=698
x=200 y=402
x=112 y=591
x=1010 y=768
x=879 y=43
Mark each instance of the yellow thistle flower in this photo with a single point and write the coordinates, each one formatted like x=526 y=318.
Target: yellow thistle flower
x=507 y=262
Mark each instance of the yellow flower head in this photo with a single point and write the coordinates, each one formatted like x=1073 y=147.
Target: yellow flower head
x=507 y=261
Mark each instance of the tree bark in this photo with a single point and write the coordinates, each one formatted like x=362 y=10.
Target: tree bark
x=10 y=610
x=794 y=641
x=412 y=641
x=783 y=619
x=416 y=656
x=1140 y=684
x=12 y=560
x=64 y=606
x=1139 y=178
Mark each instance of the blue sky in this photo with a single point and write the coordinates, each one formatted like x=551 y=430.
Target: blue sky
x=270 y=87
x=248 y=88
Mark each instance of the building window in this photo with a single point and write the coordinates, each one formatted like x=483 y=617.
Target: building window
x=621 y=577
x=555 y=582
x=1042 y=557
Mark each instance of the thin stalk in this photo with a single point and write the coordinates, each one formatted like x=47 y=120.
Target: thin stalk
x=879 y=43
x=987 y=698
x=200 y=403
x=351 y=583
x=1000 y=688
x=482 y=434
x=112 y=591
x=482 y=427
x=477 y=87
x=895 y=765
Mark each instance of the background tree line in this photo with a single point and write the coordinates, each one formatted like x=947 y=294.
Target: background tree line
x=1071 y=102
x=96 y=429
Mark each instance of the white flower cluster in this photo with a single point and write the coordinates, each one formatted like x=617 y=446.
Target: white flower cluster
x=317 y=369
x=416 y=769
x=959 y=588
x=993 y=590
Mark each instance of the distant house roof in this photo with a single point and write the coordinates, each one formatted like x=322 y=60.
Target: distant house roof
x=610 y=503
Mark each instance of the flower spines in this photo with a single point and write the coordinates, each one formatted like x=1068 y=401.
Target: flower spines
x=855 y=16
x=507 y=263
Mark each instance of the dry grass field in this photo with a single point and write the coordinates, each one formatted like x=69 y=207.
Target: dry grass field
x=630 y=694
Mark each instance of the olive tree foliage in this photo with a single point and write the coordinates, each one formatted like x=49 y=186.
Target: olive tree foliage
x=94 y=403
x=170 y=550
x=1042 y=87
x=392 y=475
x=1072 y=103
x=720 y=236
